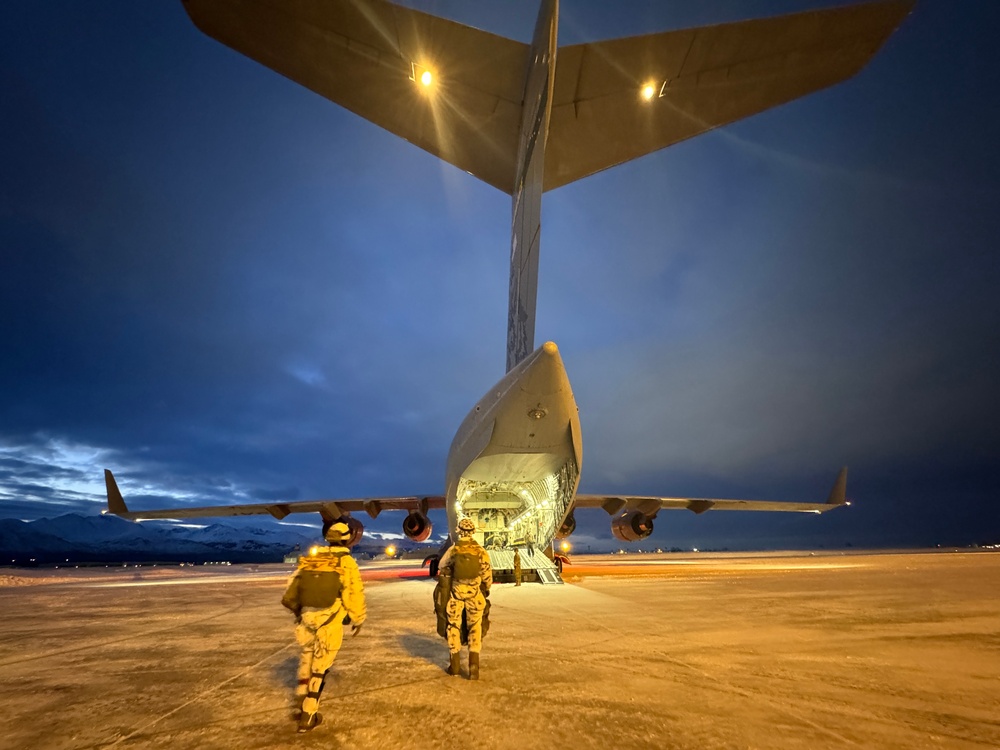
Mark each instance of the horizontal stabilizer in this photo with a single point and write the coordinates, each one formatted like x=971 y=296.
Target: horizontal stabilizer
x=699 y=79
x=368 y=56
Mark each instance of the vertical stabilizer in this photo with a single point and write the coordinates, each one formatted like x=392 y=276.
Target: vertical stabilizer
x=527 y=206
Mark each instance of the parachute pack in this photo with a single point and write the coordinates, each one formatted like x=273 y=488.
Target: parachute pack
x=467 y=562
x=320 y=579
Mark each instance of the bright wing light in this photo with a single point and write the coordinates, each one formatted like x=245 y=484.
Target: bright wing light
x=422 y=75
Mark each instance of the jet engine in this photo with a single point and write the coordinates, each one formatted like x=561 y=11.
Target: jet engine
x=417 y=526
x=357 y=530
x=567 y=528
x=632 y=525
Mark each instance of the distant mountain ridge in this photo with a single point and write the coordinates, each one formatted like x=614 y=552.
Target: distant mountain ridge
x=82 y=538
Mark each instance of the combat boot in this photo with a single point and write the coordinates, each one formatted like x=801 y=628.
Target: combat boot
x=308 y=722
x=473 y=665
x=455 y=667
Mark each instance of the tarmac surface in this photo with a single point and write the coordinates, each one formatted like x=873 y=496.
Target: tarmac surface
x=888 y=650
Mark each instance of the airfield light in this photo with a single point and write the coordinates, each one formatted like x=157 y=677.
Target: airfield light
x=390 y=551
x=564 y=546
x=313 y=550
x=648 y=92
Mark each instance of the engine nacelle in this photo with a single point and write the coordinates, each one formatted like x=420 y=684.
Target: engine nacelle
x=567 y=528
x=357 y=530
x=417 y=526
x=632 y=525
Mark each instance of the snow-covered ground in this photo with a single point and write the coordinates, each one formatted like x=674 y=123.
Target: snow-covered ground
x=888 y=651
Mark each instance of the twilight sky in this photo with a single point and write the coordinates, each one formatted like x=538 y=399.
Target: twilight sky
x=228 y=289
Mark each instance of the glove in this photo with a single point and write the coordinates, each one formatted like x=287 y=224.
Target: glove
x=355 y=629
x=346 y=620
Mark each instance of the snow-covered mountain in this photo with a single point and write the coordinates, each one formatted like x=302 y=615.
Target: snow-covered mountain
x=82 y=538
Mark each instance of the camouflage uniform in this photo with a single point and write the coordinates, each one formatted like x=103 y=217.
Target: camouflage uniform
x=466 y=595
x=320 y=631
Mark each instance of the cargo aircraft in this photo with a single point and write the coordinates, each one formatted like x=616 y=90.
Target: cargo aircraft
x=528 y=118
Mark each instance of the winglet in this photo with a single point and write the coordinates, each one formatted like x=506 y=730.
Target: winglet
x=116 y=503
x=838 y=495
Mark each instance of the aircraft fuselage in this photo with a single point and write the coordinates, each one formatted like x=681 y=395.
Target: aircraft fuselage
x=514 y=465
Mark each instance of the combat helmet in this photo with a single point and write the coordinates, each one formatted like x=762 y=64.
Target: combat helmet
x=336 y=531
x=466 y=527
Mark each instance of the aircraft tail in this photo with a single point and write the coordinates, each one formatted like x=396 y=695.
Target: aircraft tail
x=526 y=222
x=838 y=494
x=504 y=112
x=116 y=503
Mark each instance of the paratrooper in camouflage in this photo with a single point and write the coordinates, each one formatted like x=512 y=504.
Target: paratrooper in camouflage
x=465 y=577
x=325 y=593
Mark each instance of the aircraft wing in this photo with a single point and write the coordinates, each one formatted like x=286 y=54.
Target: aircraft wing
x=363 y=56
x=328 y=509
x=702 y=78
x=614 y=504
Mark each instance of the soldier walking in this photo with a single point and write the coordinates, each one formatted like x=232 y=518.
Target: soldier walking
x=517 y=567
x=325 y=593
x=465 y=578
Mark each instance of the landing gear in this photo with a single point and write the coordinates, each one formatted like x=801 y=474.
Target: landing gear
x=432 y=561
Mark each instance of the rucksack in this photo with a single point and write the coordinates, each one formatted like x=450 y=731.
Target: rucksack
x=319 y=578
x=467 y=563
